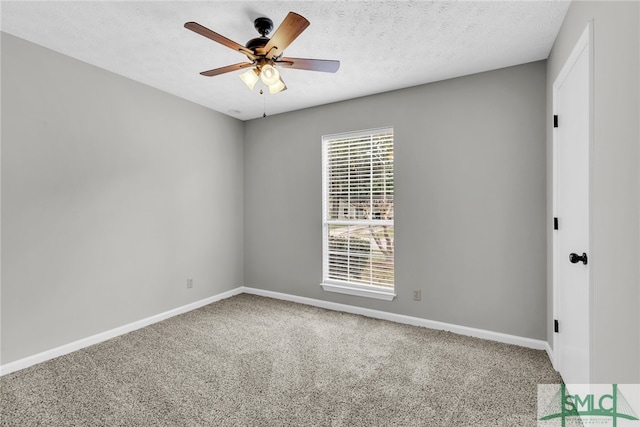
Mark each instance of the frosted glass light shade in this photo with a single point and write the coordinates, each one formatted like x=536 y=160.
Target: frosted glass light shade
x=250 y=78
x=269 y=75
x=278 y=86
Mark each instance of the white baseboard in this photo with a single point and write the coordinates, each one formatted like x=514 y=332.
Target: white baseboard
x=549 y=351
x=410 y=320
x=399 y=318
x=103 y=336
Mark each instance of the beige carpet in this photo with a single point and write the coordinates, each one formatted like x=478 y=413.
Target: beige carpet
x=254 y=361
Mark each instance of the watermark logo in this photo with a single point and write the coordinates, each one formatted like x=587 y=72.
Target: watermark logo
x=564 y=405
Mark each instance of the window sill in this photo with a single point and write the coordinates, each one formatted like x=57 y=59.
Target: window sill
x=383 y=294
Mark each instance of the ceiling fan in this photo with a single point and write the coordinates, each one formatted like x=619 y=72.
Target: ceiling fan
x=266 y=53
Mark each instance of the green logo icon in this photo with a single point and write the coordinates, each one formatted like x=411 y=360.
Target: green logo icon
x=587 y=403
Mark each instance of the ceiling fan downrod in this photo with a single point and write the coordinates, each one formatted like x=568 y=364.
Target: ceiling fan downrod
x=263 y=25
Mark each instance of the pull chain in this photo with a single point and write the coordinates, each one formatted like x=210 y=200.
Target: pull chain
x=264 y=104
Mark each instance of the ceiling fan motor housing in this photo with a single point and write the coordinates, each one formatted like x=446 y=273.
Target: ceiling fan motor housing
x=257 y=42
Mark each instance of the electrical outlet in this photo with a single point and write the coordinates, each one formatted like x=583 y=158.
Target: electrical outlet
x=417 y=294
x=189 y=283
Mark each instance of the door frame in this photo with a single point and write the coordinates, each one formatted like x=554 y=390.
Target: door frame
x=585 y=41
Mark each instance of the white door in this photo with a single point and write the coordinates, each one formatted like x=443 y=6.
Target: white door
x=572 y=292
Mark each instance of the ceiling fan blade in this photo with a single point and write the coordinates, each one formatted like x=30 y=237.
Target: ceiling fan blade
x=324 y=65
x=292 y=26
x=227 y=69
x=204 y=31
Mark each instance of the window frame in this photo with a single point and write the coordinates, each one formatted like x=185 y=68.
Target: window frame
x=341 y=286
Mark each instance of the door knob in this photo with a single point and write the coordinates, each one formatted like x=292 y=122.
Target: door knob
x=575 y=258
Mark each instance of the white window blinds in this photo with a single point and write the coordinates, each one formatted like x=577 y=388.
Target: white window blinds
x=358 y=208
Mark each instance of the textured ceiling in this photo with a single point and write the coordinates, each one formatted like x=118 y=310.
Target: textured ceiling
x=382 y=45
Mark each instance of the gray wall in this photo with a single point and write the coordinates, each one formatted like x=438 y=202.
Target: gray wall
x=113 y=193
x=470 y=199
x=615 y=193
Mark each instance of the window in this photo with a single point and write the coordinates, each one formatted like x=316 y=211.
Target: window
x=358 y=233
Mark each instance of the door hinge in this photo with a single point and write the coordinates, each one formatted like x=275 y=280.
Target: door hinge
x=555 y=120
x=555 y=222
x=555 y=325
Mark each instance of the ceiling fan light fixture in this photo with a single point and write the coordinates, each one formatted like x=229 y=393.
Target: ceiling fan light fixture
x=250 y=78
x=269 y=75
x=278 y=86
x=264 y=53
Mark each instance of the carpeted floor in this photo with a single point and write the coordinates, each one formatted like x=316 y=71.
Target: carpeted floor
x=254 y=361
